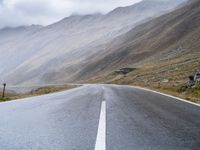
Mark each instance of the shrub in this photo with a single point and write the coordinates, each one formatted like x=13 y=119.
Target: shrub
x=197 y=86
x=183 y=88
x=4 y=99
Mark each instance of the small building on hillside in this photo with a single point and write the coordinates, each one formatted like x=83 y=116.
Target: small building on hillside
x=125 y=70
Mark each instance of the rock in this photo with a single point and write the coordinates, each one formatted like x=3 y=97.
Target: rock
x=165 y=81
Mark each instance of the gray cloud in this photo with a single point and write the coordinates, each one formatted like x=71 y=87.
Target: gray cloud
x=26 y=12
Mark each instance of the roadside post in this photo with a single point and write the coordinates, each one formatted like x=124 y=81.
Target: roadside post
x=4 y=88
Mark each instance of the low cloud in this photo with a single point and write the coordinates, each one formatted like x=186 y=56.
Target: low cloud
x=27 y=12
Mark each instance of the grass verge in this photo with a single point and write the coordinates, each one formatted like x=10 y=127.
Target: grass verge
x=168 y=77
x=36 y=92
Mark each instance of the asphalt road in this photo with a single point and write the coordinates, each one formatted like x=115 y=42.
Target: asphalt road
x=94 y=116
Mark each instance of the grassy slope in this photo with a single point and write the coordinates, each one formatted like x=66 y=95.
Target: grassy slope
x=169 y=36
x=37 y=92
x=166 y=51
x=167 y=76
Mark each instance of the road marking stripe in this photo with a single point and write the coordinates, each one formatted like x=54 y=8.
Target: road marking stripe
x=177 y=98
x=101 y=133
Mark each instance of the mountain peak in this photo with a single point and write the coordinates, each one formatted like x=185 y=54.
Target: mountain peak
x=146 y=5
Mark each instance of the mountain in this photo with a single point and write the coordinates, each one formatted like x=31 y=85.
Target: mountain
x=168 y=37
x=59 y=52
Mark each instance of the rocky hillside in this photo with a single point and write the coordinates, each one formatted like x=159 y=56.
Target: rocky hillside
x=164 y=53
x=163 y=39
x=59 y=52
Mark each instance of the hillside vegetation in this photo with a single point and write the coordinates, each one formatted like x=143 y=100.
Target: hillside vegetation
x=166 y=51
x=176 y=34
x=35 y=92
x=167 y=76
x=57 y=53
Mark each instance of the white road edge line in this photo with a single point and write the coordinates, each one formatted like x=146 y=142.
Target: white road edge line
x=101 y=133
x=177 y=98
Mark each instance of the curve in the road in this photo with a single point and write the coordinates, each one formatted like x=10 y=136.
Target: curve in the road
x=79 y=119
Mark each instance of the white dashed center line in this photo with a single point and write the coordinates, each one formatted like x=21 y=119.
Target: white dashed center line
x=101 y=134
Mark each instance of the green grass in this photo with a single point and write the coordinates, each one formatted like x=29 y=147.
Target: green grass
x=191 y=93
x=36 y=92
x=167 y=76
x=3 y=99
x=50 y=89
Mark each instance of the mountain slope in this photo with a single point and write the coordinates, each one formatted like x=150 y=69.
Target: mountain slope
x=58 y=52
x=165 y=38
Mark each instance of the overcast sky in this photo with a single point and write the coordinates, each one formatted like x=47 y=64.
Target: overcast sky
x=27 y=12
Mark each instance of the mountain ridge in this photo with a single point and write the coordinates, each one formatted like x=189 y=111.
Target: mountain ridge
x=167 y=37
x=34 y=53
